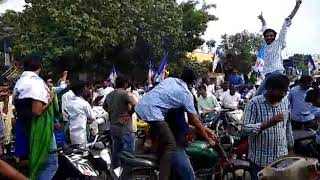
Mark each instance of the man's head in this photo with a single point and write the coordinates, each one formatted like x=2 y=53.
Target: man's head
x=202 y=90
x=269 y=35
x=306 y=82
x=80 y=88
x=313 y=96
x=49 y=81
x=4 y=88
x=106 y=83
x=232 y=90
x=225 y=86
x=277 y=87
x=33 y=63
x=188 y=76
x=122 y=82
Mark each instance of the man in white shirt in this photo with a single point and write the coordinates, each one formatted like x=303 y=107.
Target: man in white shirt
x=253 y=91
x=64 y=100
x=107 y=87
x=224 y=88
x=79 y=112
x=272 y=48
x=207 y=102
x=231 y=99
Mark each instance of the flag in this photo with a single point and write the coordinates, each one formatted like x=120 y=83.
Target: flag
x=216 y=60
x=159 y=76
x=258 y=67
x=6 y=53
x=113 y=75
x=150 y=71
x=312 y=65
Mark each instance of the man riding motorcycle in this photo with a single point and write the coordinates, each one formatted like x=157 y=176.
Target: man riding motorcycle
x=170 y=93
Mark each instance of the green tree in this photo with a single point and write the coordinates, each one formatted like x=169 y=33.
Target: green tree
x=242 y=48
x=97 y=34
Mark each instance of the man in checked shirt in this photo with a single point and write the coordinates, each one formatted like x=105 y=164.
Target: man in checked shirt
x=267 y=124
x=273 y=47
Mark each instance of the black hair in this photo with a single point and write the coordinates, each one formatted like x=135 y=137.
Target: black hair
x=188 y=76
x=202 y=86
x=32 y=62
x=3 y=81
x=47 y=77
x=312 y=95
x=78 y=87
x=279 y=81
x=121 y=82
x=305 y=79
x=269 y=30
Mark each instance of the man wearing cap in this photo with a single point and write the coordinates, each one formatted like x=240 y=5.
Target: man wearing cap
x=273 y=47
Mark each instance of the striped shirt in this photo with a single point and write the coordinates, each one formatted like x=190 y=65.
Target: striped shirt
x=272 y=58
x=267 y=145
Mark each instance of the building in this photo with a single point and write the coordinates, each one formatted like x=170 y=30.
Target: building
x=200 y=56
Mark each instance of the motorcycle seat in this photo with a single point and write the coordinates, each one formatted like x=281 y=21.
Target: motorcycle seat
x=151 y=157
x=138 y=160
x=299 y=135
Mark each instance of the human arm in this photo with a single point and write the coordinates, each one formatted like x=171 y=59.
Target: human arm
x=217 y=106
x=10 y=172
x=200 y=109
x=90 y=113
x=39 y=107
x=131 y=103
x=286 y=25
x=64 y=77
x=194 y=120
x=295 y=10
x=203 y=131
x=263 y=21
x=289 y=135
x=250 y=127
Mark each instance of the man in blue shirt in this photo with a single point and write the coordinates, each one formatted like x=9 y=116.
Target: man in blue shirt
x=235 y=79
x=171 y=93
x=300 y=109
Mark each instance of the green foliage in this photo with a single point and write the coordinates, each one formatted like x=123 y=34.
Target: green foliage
x=242 y=47
x=100 y=33
x=200 y=68
x=300 y=60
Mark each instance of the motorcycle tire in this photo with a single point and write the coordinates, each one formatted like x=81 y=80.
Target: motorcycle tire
x=237 y=172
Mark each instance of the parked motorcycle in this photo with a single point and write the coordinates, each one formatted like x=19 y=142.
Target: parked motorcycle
x=85 y=162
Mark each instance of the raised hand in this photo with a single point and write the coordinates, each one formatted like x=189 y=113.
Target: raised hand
x=261 y=17
x=298 y=2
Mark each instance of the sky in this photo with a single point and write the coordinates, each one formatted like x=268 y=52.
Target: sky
x=238 y=15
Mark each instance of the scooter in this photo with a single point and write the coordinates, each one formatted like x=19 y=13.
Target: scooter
x=85 y=162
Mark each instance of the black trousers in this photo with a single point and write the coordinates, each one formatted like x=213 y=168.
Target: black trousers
x=162 y=135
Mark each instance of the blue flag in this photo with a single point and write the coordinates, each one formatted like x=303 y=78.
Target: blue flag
x=216 y=60
x=312 y=65
x=258 y=67
x=113 y=75
x=159 y=76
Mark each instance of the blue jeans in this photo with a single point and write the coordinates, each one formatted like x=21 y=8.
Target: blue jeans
x=51 y=166
x=121 y=143
x=182 y=165
x=262 y=86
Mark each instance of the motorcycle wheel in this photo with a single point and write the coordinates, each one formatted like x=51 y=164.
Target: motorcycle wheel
x=237 y=172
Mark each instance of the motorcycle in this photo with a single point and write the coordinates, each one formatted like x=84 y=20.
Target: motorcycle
x=306 y=143
x=226 y=123
x=85 y=162
x=207 y=162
